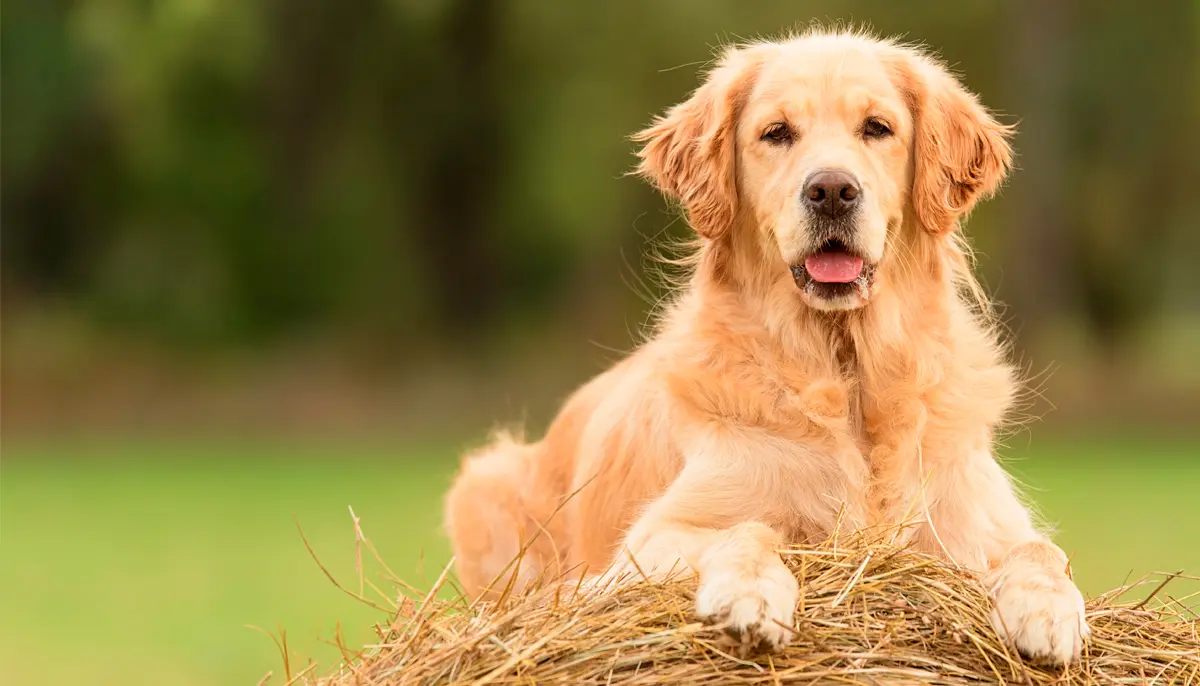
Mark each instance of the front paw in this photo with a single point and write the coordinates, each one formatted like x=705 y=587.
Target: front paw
x=1040 y=611
x=755 y=609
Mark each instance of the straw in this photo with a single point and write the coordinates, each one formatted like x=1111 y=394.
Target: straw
x=869 y=613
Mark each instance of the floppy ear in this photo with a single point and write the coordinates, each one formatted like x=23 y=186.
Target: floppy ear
x=690 y=152
x=961 y=153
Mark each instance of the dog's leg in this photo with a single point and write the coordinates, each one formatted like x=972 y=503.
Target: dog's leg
x=975 y=517
x=706 y=523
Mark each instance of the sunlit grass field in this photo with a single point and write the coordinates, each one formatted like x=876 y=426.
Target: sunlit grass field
x=143 y=562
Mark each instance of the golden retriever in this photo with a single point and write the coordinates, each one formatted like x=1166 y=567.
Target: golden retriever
x=829 y=363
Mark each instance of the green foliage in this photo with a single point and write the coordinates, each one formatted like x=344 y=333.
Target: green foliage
x=219 y=171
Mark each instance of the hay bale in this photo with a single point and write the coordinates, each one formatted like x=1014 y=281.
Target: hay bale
x=869 y=613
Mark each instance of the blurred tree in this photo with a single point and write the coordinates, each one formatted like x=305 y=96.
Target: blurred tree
x=1106 y=153
x=460 y=133
x=1040 y=279
x=57 y=154
x=1136 y=144
x=436 y=172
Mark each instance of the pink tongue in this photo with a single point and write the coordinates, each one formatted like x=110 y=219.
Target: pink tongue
x=833 y=267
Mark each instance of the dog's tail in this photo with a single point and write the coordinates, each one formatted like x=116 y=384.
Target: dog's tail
x=488 y=519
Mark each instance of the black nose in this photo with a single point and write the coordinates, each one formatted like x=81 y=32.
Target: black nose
x=831 y=193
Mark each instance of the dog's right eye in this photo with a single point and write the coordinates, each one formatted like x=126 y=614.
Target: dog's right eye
x=778 y=134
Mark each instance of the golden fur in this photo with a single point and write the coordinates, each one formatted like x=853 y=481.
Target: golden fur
x=758 y=413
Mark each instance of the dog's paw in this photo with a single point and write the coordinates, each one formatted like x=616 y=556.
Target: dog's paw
x=1040 y=611
x=755 y=611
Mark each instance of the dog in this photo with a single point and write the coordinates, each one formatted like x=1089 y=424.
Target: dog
x=831 y=361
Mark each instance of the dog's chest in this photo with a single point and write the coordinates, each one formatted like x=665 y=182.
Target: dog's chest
x=849 y=369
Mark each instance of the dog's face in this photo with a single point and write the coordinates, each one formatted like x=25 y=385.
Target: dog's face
x=824 y=146
x=824 y=143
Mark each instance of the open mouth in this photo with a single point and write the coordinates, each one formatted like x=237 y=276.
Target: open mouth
x=833 y=271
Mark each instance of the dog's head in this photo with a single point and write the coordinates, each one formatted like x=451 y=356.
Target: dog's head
x=827 y=146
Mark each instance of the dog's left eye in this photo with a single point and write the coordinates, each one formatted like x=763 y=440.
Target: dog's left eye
x=876 y=128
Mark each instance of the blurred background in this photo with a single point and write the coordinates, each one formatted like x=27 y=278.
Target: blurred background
x=267 y=260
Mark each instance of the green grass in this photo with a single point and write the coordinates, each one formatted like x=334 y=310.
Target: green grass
x=141 y=563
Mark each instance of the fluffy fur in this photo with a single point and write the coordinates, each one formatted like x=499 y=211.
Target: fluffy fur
x=759 y=413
